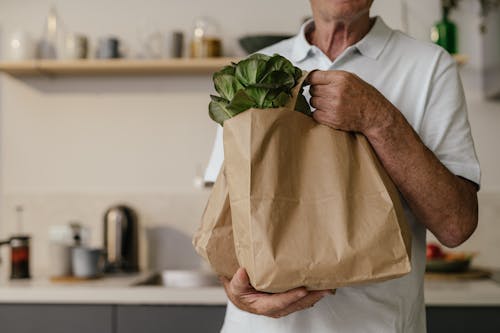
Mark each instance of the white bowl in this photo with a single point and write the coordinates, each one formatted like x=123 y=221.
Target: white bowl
x=186 y=279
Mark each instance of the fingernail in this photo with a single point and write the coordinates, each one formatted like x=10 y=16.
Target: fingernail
x=302 y=293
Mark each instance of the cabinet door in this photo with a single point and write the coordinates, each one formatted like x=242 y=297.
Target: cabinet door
x=60 y=318
x=463 y=319
x=169 y=319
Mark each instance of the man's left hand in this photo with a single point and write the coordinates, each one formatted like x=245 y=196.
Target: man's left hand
x=344 y=101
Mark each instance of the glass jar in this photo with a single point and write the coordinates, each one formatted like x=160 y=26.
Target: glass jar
x=205 y=40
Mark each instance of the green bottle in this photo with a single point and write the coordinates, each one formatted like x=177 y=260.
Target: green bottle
x=444 y=33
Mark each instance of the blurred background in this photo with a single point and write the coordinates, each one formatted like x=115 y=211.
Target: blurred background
x=105 y=137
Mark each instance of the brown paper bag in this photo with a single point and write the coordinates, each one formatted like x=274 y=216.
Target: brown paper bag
x=310 y=206
x=214 y=239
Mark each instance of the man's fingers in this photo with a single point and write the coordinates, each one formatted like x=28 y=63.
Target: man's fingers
x=321 y=90
x=323 y=77
x=320 y=116
x=244 y=296
x=240 y=283
x=305 y=302
x=277 y=302
x=319 y=77
x=322 y=103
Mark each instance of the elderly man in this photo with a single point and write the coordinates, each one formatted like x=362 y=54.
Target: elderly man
x=406 y=97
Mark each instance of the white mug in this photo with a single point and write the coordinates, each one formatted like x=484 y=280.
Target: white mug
x=20 y=46
x=87 y=262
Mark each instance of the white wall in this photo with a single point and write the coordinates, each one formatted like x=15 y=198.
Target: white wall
x=70 y=147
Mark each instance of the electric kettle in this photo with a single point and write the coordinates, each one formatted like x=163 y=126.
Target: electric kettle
x=120 y=239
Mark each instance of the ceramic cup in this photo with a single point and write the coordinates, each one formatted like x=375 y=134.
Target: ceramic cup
x=75 y=46
x=87 y=262
x=20 y=46
x=108 y=48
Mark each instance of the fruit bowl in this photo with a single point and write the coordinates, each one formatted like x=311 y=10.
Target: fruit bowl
x=439 y=261
x=447 y=266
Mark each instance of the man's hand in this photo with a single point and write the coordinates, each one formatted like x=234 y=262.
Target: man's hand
x=344 y=101
x=445 y=203
x=246 y=298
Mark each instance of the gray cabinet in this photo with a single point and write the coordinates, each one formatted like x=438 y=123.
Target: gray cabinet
x=40 y=318
x=169 y=319
x=61 y=318
x=477 y=319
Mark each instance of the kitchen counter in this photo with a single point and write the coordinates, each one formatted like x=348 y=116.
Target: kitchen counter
x=462 y=293
x=109 y=290
x=124 y=290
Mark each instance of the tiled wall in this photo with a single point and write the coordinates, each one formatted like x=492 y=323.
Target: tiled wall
x=180 y=212
x=70 y=148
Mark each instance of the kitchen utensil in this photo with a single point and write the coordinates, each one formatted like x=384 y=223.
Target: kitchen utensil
x=62 y=239
x=75 y=46
x=19 y=256
x=60 y=260
x=20 y=47
x=121 y=239
x=87 y=262
x=254 y=43
x=108 y=48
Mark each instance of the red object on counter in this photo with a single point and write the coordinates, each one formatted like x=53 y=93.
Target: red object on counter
x=434 y=251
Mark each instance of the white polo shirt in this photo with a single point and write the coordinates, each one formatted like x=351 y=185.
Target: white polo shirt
x=422 y=81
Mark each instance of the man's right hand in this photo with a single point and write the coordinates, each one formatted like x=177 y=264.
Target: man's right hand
x=246 y=298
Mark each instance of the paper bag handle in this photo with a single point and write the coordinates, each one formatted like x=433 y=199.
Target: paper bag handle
x=296 y=91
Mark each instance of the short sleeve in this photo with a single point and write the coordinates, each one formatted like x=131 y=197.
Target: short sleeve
x=216 y=158
x=445 y=127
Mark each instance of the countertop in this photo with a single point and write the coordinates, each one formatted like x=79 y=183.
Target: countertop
x=124 y=290
x=108 y=290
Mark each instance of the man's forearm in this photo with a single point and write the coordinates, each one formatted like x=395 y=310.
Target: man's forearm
x=444 y=203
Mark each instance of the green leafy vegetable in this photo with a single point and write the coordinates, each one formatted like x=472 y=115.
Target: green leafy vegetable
x=259 y=81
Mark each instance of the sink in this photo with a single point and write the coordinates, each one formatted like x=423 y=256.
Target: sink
x=181 y=279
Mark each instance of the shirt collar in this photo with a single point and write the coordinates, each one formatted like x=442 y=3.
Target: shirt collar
x=301 y=46
x=371 y=45
x=375 y=40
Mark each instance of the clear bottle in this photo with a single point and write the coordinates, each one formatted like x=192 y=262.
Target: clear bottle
x=52 y=42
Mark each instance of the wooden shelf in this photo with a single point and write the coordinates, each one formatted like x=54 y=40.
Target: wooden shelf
x=127 y=67
x=114 y=67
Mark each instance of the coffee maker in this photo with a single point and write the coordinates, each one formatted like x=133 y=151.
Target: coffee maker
x=121 y=239
x=19 y=256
